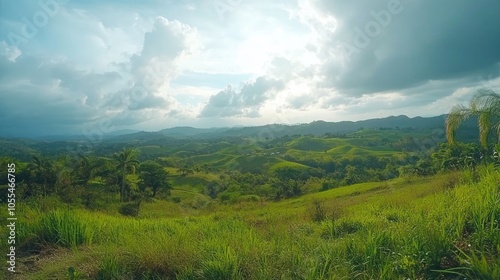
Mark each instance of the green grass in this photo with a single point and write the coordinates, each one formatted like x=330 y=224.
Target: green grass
x=151 y=151
x=424 y=228
x=285 y=163
x=209 y=158
x=313 y=144
x=195 y=180
x=299 y=155
x=241 y=149
x=350 y=150
x=252 y=163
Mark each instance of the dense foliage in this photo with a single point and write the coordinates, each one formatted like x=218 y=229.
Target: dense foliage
x=230 y=169
x=386 y=203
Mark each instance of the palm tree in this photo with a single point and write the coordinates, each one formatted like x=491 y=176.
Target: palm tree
x=485 y=105
x=85 y=169
x=126 y=163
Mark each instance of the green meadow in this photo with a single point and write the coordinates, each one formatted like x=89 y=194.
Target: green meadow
x=444 y=226
x=386 y=203
x=249 y=140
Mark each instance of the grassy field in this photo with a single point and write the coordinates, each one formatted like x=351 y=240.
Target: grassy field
x=260 y=157
x=440 y=227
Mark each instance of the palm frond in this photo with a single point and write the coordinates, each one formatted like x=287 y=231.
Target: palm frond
x=497 y=127
x=457 y=115
x=485 y=104
x=486 y=99
x=484 y=124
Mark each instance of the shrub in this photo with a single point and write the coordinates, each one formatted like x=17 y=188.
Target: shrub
x=328 y=185
x=340 y=228
x=317 y=211
x=229 y=197
x=451 y=180
x=130 y=209
x=249 y=198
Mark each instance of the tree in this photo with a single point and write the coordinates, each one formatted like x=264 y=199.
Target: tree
x=287 y=189
x=184 y=171
x=456 y=156
x=213 y=190
x=126 y=163
x=153 y=176
x=85 y=169
x=291 y=173
x=352 y=175
x=43 y=174
x=485 y=105
x=406 y=143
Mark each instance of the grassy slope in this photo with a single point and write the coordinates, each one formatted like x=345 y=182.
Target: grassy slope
x=313 y=144
x=321 y=149
x=250 y=157
x=397 y=229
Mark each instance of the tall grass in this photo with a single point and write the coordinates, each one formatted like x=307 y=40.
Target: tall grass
x=59 y=227
x=422 y=230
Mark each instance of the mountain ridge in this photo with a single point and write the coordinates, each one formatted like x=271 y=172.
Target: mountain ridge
x=318 y=127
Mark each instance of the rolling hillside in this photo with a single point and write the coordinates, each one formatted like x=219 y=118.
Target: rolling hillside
x=441 y=227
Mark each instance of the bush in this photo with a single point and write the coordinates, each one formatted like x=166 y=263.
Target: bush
x=336 y=229
x=451 y=180
x=130 y=209
x=249 y=198
x=229 y=197
x=317 y=211
x=328 y=185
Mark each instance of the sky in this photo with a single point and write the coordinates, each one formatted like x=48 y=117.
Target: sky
x=90 y=67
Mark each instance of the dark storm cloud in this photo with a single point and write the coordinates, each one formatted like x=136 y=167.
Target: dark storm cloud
x=393 y=45
x=245 y=102
x=46 y=95
x=40 y=97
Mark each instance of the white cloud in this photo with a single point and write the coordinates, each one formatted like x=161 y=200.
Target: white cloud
x=165 y=63
x=138 y=91
x=244 y=102
x=10 y=52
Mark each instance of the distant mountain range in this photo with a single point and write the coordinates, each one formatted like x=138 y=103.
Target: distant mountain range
x=61 y=144
x=317 y=128
x=314 y=128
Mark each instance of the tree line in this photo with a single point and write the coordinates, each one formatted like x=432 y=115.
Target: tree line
x=70 y=177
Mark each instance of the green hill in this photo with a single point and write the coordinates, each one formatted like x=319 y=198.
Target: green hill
x=252 y=163
x=440 y=227
x=313 y=144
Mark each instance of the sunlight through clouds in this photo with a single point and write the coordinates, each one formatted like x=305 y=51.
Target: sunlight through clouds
x=175 y=59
